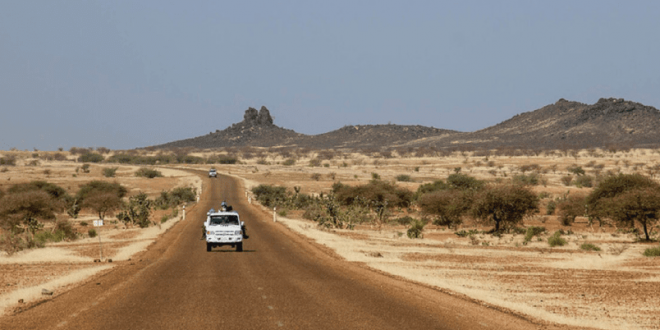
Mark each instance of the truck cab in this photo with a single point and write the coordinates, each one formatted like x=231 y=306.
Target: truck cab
x=223 y=228
x=213 y=173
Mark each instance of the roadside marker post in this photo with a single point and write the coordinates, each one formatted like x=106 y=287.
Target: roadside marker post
x=99 y=223
x=184 y=213
x=274 y=214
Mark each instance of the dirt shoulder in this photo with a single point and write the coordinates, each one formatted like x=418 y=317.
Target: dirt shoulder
x=63 y=265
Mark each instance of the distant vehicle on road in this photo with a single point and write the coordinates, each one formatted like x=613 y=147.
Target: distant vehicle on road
x=213 y=173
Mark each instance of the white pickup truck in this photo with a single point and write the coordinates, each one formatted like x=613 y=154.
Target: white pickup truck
x=213 y=173
x=223 y=228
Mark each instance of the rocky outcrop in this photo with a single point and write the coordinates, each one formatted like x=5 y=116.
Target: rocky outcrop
x=253 y=117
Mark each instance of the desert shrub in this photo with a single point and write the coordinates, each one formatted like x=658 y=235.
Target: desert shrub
x=571 y=207
x=85 y=168
x=270 y=196
x=83 y=223
x=372 y=193
x=531 y=179
x=53 y=190
x=164 y=218
x=625 y=197
x=529 y=167
x=577 y=170
x=447 y=205
x=8 y=161
x=59 y=156
x=101 y=186
x=550 y=208
x=403 y=178
x=556 y=240
x=416 y=229
x=314 y=162
x=533 y=231
x=23 y=211
x=103 y=150
x=175 y=197
x=222 y=159
x=589 y=247
x=148 y=173
x=464 y=181
x=466 y=233
x=430 y=187
x=566 y=180
x=584 y=181
x=289 y=162
x=91 y=157
x=101 y=202
x=12 y=243
x=315 y=176
x=407 y=220
x=136 y=211
x=652 y=252
x=109 y=172
x=375 y=176
x=505 y=205
x=91 y=232
x=63 y=231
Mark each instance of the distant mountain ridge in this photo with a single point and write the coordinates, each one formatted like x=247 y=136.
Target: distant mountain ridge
x=564 y=124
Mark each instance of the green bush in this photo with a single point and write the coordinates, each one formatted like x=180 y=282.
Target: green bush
x=109 y=172
x=416 y=229
x=589 y=247
x=533 y=231
x=83 y=223
x=175 y=197
x=91 y=157
x=531 y=179
x=375 y=176
x=404 y=178
x=577 y=170
x=8 y=161
x=551 y=207
x=148 y=173
x=407 y=220
x=372 y=193
x=270 y=196
x=652 y=252
x=164 y=218
x=584 y=181
x=556 y=240
x=91 y=232
x=566 y=180
x=289 y=162
x=471 y=232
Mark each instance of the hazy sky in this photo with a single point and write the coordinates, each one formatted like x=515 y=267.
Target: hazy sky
x=126 y=74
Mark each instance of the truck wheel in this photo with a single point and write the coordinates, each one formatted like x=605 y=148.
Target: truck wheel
x=239 y=247
x=208 y=247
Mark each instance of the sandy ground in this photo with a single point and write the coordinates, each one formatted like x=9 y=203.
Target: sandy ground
x=615 y=288
x=61 y=265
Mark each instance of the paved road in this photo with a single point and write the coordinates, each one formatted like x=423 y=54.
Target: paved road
x=280 y=281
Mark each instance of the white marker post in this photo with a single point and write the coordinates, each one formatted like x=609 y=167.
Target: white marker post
x=274 y=214
x=184 y=213
x=98 y=223
x=249 y=199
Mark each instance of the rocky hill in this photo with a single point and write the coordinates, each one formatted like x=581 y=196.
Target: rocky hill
x=564 y=124
x=567 y=124
x=256 y=129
